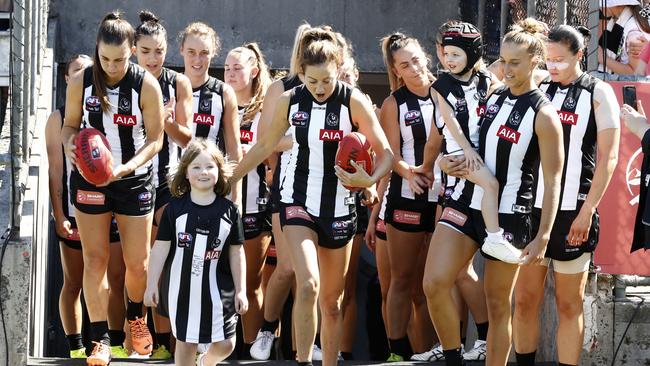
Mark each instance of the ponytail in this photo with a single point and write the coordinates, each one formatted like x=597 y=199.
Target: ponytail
x=261 y=81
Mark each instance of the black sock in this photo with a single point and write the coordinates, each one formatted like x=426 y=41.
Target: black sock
x=401 y=347
x=306 y=363
x=482 y=330
x=270 y=326
x=565 y=364
x=525 y=359
x=75 y=341
x=347 y=356
x=463 y=340
x=99 y=332
x=317 y=340
x=117 y=337
x=452 y=357
x=133 y=310
x=164 y=339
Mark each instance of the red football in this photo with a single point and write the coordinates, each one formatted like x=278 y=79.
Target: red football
x=355 y=147
x=94 y=157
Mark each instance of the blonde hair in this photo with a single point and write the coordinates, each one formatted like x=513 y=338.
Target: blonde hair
x=530 y=33
x=294 y=64
x=260 y=82
x=389 y=45
x=201 y=29
x=180 y=185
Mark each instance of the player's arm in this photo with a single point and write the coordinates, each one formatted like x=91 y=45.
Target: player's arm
x=271 y=97
x=474 y=161
x=55 y=172
x=231 y=136
x=178 y=126
x=157 y=258
x=73 y=115
x=267 y=141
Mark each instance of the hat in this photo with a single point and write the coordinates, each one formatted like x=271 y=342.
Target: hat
x=466 y=37
x=611 y=3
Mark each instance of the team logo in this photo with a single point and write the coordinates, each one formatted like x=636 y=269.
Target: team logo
x=145 y=196
x=633 y=176
x=250 y=220
x=299 y=119
x=515 y=118
x=205 y=105
x=184 y=240
x=216 y=243
x=412 y=117
x=482 y=94
x=569 y=103
x=509 y=237
x=508 y=134
x=124 y=105
x=332 y=119
x=449 y=192
x=331 y=135
x=93 y=104
x=549 y=96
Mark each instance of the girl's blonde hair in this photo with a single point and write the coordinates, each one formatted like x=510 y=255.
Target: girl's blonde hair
x=262 y=80
x=179 y=184
x=530 y=33
x=201 y=29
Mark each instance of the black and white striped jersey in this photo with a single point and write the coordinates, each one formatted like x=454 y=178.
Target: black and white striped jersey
x=468 y=100
x=575 y=106
x=197 y=290
x=256 y=192
x=283 y=158
x=317 y=129
x=208 y=108
x=122 y=124
x=508 y=145
x=166 y=161
x=414 y=116
x=66 y=172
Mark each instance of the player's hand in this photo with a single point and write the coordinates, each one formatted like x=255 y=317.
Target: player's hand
x=241 y=303
x=579 y=232
x=117 y=173
x=63 y=226
x=370 y=236
x=359 y=178
x=454 y=166
x=70 y=150
x=473 y=160
x=534 y=252
x=151 y=296
x=370 y=196
x=426 y=173
x=170 y=111
x=417 y=183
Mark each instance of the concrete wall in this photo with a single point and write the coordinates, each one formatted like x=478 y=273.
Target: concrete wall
x=274 y=24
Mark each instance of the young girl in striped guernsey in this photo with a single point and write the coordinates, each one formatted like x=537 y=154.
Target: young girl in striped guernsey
x=197 y=269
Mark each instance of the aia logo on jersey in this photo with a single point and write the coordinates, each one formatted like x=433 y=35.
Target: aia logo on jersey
x=569 y=103
x=332 y=119
x=568 y=117
x=212 y=254
x=246 y=136
x=299 y=119
x=412 y=117
x=331 y=135
x=204 y=119
x=480 y=110
x=205 y=105
x=508 y=134
x=492 y=110
x=184 y=240
x=124 y=120
x=93 y=104
x=124 y=106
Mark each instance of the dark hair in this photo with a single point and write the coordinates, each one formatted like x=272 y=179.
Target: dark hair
x=318 y=46
x=150 y=26
x=389 y=45
x=179 y=185
x=568 y=36
x=74 y=58
x=113 y=30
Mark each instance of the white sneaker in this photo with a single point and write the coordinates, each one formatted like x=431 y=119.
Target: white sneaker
x=434 y=354
x=316 y=353
x=477 y=353
x=202 y=347
x=199 y=359
x=502 y=250
x=136 y=355
x=261 y=348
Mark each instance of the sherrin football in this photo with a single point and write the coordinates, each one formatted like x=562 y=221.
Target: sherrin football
x=94 y=157
x=355 y=147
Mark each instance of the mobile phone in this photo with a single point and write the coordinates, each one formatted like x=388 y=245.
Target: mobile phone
x=629 y=95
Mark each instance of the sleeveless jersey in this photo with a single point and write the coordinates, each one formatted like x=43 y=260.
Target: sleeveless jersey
x=468 y=100
x=575 y=106
x=66 y=172
x=254 y=186
x=283 y=158
x=166 y=161
x=414 y=114
x=508 y=145
x=317 y=129
x=122 y=124
x=207 y=108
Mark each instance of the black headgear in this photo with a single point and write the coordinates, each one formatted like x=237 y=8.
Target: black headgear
x=466 y=37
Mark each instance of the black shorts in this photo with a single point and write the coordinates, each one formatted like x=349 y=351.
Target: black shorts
x=558 y=248
x=255 y=224
x=271 y=255
x=362 y=216
x=163 y=196
x=380 y=229
x=333 y=232
x=410 y=215
x=274 y=202
x=74 y=241
x=133 y=196
x=517 y=227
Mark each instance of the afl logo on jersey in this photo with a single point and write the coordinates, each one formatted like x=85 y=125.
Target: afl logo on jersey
x=332 y=119
x=492 y=110
x=184 y=240
x=93 y=104
x=412 y=117
x=515 y=118
x=299 y=119
x=569 y=103
x=205 y=105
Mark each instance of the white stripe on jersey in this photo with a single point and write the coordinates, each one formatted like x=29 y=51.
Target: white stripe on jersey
x=470 y=92
x=172 y=151
x=196 y=284
x=176 y=268
x=216 y=106
x=252 y=178
x=217 y=304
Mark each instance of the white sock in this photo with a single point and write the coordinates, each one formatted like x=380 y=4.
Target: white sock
x=495 y=236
